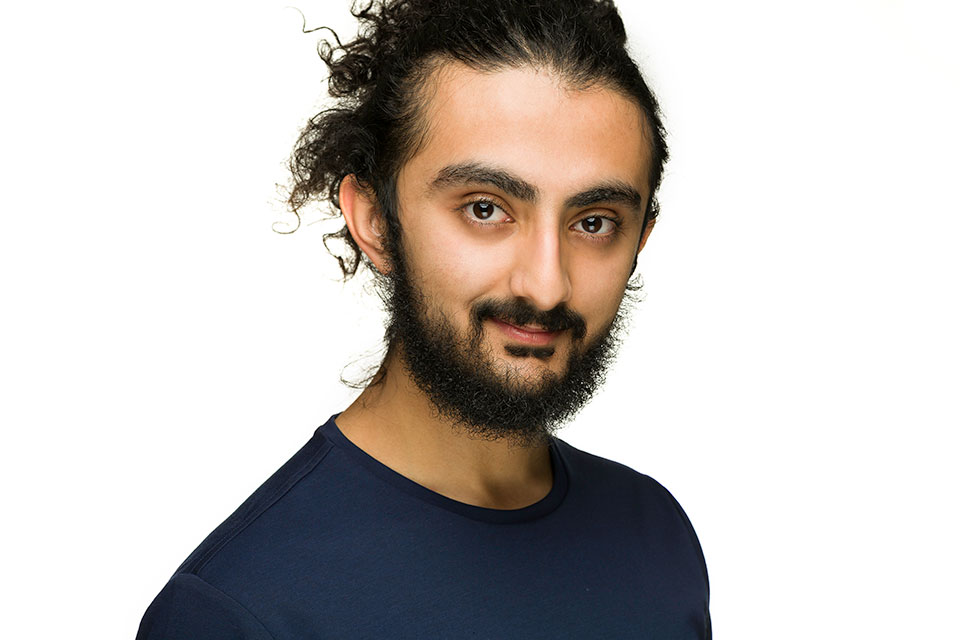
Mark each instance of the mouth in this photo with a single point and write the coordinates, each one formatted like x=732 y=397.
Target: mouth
x=527 y=334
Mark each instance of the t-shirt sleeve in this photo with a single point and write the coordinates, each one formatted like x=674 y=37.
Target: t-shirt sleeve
x=190 y=608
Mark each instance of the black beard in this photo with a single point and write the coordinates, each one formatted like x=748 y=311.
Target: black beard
x=459 y=375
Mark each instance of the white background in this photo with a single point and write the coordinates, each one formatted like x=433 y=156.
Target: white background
x=792 y=375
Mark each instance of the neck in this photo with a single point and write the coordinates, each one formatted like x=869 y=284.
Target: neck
x=397 y=424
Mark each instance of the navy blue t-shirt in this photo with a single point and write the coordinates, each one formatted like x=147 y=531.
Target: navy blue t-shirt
x=337 y=545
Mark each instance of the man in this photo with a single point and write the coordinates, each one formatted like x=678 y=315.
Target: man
x=496 y=163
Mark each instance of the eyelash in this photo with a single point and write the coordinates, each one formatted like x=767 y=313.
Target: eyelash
x=484 y=200
x=591 y=237
x=607 y=237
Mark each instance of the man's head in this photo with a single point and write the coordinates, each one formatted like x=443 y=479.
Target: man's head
x=496 y=162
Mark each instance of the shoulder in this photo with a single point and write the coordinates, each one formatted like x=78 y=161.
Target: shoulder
x=642 y=516
x=602 y=473
x=189 y=608
x=217 y=588
x=280 y=488
x=636 y=497
x=220 y=589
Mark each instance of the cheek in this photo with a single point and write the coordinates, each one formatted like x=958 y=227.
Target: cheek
x=598 y=288
x=453 y=269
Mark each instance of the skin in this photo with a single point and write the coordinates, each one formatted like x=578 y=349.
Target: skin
x=544 y=247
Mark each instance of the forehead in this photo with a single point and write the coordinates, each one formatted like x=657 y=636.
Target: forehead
x=529 y=122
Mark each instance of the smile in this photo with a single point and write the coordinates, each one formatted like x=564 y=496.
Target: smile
x=530 y=335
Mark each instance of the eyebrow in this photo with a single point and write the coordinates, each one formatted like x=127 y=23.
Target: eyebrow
x=612 y=191
x=475 y=173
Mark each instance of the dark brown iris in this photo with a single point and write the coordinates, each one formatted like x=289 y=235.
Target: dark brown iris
x=592 y=225
x=482 y=210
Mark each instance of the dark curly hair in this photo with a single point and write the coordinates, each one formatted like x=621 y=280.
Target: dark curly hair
x=378 y=78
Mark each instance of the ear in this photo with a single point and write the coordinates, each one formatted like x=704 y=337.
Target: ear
x=646 y=234
x=362 y=215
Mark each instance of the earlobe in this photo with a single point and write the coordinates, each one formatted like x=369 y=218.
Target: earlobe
x=362 y=215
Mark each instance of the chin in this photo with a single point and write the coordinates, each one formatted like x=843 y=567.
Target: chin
x=528 y=373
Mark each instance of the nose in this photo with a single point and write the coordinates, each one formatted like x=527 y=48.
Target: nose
x=540 y=272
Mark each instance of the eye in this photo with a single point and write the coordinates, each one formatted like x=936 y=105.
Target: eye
x=596 y=225
x=484 y=212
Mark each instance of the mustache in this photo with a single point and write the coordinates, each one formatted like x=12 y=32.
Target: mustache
x=519 y=312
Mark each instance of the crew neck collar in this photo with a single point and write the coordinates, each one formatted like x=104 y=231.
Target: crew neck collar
x=538 y=509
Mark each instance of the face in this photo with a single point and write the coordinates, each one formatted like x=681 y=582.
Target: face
x=521 y=218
